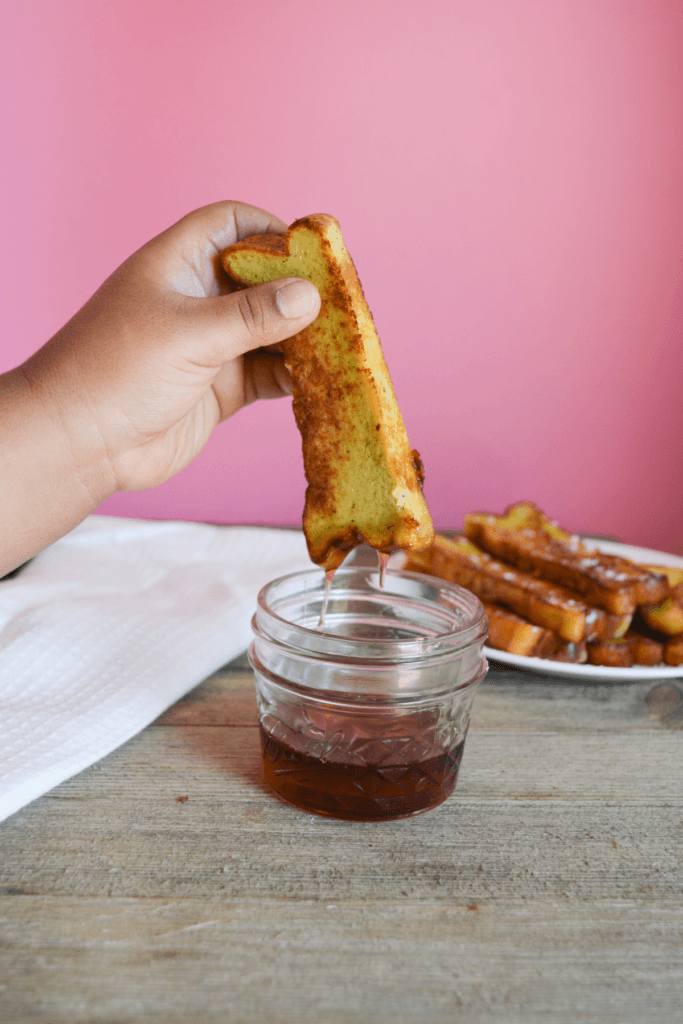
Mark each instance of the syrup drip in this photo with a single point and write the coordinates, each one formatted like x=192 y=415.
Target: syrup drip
x=383 y=559
x=329 y=576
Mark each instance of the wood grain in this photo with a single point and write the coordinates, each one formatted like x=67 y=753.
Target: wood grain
x=281 y=962
x=166 y=884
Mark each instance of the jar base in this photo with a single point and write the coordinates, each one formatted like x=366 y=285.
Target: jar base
x=359 y=792
x=351 y=818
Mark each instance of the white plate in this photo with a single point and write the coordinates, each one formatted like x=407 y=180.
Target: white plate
x=584 y=673
x=600 y=673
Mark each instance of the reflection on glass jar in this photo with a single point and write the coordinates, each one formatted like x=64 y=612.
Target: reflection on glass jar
x=367 y=720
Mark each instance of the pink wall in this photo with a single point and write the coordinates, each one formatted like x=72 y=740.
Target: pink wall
x=507 y=174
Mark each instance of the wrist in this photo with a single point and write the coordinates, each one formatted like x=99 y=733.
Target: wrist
x=52 y=478
x=59 y=413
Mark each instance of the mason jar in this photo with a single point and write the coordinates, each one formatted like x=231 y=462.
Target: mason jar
x=364 y=710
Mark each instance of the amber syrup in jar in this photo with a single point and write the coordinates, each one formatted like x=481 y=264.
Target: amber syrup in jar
x=358 y=792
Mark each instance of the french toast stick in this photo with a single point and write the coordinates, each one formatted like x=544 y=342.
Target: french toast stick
x=545 y=604
x=509 y=632
x=673 y=651
x=364 y=482
x=532 y=542
x=611 y=653
x=635 y=648
x=647 y=650
x=667 y=616
x=575 y=654
x=673 y=574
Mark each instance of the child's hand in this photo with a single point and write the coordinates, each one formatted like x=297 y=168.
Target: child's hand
x=165 y=350
x=128 y=392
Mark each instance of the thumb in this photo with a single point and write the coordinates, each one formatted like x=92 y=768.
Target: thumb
x=261 y=315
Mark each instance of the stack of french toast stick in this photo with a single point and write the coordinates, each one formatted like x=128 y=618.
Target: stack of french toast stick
x=547 y=594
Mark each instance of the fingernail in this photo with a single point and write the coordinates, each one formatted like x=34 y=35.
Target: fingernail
x=295 y=299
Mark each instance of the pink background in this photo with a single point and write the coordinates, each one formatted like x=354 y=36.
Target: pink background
x=507 y=174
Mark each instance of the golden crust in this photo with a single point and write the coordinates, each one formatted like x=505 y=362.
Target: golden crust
x=363 y=479
x=531 y=542
x=544 y=604
x=510 y=632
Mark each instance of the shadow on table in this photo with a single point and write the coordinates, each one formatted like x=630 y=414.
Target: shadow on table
x=231 y=751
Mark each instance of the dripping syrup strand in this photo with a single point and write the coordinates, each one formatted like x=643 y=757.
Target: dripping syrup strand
x=383 y=559
x=329 y=576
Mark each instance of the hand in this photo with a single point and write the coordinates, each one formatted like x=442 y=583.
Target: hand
x=166 y=349
x=129 y=391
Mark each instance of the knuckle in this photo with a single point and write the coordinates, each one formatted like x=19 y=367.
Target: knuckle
x=253 y=311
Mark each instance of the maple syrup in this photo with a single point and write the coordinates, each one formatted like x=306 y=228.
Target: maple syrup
x=329 y=576
x=383 y=557
x=359 y=792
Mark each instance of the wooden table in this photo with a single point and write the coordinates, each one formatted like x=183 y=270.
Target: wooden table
x=164 y=884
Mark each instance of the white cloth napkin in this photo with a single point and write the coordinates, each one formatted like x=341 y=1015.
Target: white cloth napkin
x=112 y=624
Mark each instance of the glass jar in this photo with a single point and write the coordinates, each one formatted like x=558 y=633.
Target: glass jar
x=365 y=718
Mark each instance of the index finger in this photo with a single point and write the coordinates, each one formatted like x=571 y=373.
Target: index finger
x=186 y=254
x=229 y=222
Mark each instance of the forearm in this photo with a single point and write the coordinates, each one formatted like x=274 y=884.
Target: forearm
x=50 y=475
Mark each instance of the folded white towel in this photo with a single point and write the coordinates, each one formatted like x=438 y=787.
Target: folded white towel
x=110 y=626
